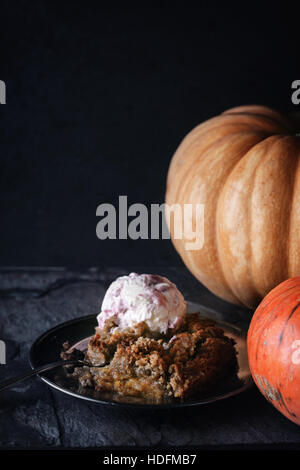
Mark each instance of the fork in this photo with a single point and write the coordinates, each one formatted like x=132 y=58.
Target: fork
x=53 y=365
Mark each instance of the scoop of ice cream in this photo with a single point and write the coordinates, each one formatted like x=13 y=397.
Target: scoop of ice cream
x=145 y=298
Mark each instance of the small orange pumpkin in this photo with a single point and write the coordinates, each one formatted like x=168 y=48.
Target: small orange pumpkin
x=274 y=348
x=244 y=167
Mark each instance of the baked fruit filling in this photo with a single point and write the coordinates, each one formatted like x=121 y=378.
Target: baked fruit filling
x=154 y=366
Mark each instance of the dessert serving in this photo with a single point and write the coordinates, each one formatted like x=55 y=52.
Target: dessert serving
x=147 y=345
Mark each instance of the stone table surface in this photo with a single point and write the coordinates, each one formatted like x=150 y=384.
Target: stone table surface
x=34 y=415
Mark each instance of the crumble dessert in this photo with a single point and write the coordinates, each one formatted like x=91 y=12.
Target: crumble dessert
x=179 y=366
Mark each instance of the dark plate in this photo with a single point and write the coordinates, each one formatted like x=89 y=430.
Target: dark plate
x=47 y=349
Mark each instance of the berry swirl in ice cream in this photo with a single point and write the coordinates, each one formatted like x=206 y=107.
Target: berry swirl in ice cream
x=148 y=298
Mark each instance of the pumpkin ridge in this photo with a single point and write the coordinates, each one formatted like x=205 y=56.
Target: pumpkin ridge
x=208 y=149
x=270 y=142
x=268 y=118
x=226 y=139
x=291 y=205
x=183 y=178
x=231 y=282
x=262 y=110
x=290 y=271
x=221 y=264
x=250 y=224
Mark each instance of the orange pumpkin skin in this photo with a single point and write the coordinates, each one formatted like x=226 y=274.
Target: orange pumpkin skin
x=274 y=348
x=244 y=166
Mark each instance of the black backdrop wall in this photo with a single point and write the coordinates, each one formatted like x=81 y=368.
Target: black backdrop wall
x=99 y=97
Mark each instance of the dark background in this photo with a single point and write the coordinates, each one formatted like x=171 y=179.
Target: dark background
x=98 y=99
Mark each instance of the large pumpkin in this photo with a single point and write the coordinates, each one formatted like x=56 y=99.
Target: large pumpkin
x=244 y=166
x=274 y=348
